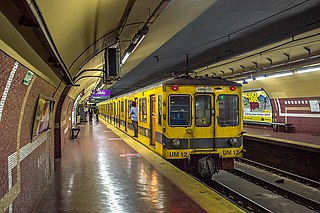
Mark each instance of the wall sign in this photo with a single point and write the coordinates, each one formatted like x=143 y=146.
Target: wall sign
x=28 y=78
x=314 y=105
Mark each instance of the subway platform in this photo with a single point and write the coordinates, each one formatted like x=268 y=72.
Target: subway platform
x=105 y=170
x=301 y=139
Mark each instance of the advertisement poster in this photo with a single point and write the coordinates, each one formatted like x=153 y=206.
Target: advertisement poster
x=256 y=107
x=42 y=116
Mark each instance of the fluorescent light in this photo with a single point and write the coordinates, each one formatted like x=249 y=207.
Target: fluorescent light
x=101 y=86
x=280 y=75
x=142 y=37
x=248 y=80
x=260 y=78
x=126 y=56
x=310 y=69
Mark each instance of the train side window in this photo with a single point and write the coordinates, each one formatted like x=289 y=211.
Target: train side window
x=160 y=110
x=180 y=110
x=118 y=109
x=129 y=107
x=143 y=109
x=203 y=110
x=122 y=108
x=228 y=110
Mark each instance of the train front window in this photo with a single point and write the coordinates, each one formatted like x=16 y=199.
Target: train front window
x=228 y=110
x=180 y=110
x=203 y=110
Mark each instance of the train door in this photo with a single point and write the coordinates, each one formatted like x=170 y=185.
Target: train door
x=153 y=120
x=204 y=119
x=126 y=115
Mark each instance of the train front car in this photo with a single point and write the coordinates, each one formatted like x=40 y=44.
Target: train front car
x=204 y=124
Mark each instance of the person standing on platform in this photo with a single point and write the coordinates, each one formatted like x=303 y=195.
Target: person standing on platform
x=134 y=118
x=96 y=112
x=90 y=110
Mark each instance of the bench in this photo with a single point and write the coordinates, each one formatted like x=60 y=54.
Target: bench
x=282 y=127
x=75 y=131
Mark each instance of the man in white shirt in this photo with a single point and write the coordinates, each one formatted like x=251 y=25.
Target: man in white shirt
x=134 y=118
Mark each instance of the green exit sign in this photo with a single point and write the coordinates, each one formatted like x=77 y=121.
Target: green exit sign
x=28 y=78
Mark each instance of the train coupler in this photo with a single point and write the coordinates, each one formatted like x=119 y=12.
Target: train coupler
x=207 y=167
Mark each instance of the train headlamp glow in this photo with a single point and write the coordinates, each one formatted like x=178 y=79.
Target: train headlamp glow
x=233 y=88
x=233 y=141
x=174 y=87
x=176 y=143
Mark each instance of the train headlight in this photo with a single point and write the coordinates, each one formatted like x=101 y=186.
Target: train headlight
x=176 y=143
x=233 y=88
x=233 y=141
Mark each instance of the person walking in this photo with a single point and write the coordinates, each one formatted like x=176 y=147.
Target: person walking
x=134 y=118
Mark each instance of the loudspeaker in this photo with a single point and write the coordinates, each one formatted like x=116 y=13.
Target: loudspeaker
x=112 y=62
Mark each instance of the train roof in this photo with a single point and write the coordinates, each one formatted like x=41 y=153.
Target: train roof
x=186 y=81
x=200 y=81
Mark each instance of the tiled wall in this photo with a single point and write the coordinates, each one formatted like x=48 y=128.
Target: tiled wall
x=25 y=164
x=66 y=122
x=297 y=111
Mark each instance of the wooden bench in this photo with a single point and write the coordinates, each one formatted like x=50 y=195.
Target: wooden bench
x=282 y=127
x=75 y=131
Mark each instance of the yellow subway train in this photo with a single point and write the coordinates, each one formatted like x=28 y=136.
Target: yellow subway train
x=193 y=122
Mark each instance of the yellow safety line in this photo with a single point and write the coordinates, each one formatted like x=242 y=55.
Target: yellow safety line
x=206 y=198
x=315 y=146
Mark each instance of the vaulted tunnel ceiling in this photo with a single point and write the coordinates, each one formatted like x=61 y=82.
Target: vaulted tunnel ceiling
x=211 y=34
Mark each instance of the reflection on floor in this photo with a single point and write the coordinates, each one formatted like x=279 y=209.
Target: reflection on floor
x=101 y=173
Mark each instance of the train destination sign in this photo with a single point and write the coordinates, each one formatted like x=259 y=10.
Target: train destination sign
x=204 y=89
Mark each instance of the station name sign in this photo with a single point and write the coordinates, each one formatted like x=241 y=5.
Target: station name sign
x=100 y=93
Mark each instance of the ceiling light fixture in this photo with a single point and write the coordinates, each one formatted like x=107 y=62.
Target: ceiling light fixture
x=309 y=69
x=125 y=57
x=260 y=78
x=137 y=39
x=140 y=35
x=278 y=75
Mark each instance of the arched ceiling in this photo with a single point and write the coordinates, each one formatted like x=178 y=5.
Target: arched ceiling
x=224 y=35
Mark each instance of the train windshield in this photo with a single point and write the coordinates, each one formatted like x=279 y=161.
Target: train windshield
x=203 y=110
x=228 y=110
x=180 y=110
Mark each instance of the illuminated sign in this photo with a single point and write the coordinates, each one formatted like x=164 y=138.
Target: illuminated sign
x=28 y=78
x=100 y=93
x=256 y=106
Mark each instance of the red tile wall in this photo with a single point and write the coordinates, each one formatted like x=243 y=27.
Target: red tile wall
x=66 y=115
x=38 y=166
x=304 y=124
x=310 y=125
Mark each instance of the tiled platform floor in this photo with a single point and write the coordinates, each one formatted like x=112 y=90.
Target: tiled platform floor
x=101 y=173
